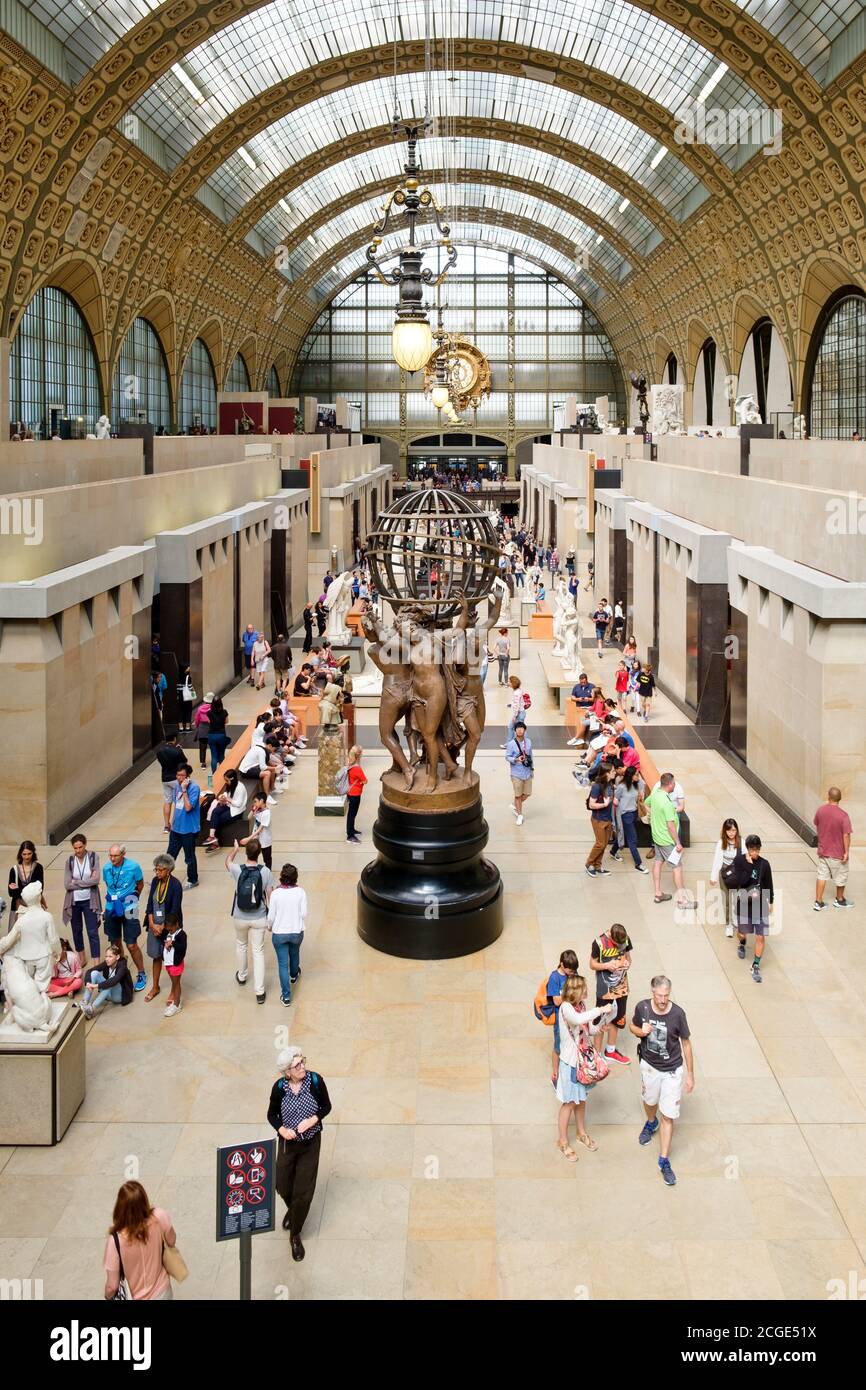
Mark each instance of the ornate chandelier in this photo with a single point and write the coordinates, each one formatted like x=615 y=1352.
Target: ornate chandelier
x=412 y=338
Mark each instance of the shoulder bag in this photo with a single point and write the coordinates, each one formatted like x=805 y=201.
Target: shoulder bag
x=173 y=1263
x=123 y=1291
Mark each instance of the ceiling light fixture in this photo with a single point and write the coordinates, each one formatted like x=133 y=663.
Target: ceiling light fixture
x=287 y=207
x=624 y=204
x=194 y=91
x=658 y=156
x=713 y=82
x=247 y=158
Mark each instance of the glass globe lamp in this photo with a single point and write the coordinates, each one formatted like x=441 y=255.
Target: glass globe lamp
x=412 y=343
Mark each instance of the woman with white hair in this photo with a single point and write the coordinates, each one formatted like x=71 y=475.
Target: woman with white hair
x=299 y=1102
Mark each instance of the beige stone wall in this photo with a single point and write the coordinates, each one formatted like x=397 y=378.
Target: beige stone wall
x=79 y=522
x=252 y=606
x=602 y=555
x=174 y=453
x=642 y=560
x=297 y=542
x=44 y=464
x=672 y=623
x=217 y=621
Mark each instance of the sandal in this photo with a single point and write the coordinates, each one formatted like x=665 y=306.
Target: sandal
x=151 y=994
x=566 y=1150
x=665 y=898
x=587 y=1142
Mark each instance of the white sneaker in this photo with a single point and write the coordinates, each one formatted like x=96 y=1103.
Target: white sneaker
x=171 y=1010
x=271 y=801
x=572 y=743
x=729 y=931
x=513 y=809
x=519 y=820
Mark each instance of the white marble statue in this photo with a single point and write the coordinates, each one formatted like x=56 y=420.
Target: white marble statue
x=563 y=604
x=667 y=410
x=503 y=588
x=746 y=410
x=799 y=428
x=103 y=427
x=572 y=637
x=28 y=951
x=338 y=601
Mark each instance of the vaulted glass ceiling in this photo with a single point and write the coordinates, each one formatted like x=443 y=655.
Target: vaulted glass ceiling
x=275 y=40
x=478 y=95
x=490 y=156
x=465 y=235
x=364 y=217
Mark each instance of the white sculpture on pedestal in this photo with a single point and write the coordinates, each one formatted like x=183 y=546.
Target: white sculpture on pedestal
x=746 y=410
x=28 y=951
x=572 y=637
x=103 y=427
x=503 y=587
x=667 y=410
x=799 y=428
x=563 y=604
x=338 y=601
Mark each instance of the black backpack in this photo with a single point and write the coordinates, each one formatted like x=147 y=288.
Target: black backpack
x=250 y=892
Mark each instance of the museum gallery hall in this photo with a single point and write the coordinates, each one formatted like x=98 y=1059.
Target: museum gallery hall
x=432 y=484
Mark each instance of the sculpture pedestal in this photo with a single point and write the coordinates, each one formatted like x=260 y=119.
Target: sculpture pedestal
x=42 y=1083
x=332 y=756
x=430 y=894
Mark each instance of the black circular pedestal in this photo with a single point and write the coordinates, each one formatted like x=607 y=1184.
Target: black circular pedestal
x=430 y=894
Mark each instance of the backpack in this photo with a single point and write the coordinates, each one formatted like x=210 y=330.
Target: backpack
x=544 y=1012
x=250 y=893
x=341 y=782
x=527 y=700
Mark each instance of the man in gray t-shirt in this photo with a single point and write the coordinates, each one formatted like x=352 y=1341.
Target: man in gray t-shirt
x=253 y=880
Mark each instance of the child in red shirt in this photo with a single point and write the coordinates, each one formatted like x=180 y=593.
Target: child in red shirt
x=621 y=683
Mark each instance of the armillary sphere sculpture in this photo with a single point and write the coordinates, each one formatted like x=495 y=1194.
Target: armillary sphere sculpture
x=430 y=894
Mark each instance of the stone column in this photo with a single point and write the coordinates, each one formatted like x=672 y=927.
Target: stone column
x=5 y=396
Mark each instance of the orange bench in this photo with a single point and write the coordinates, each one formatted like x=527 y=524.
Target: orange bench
x=540 y=625
x=354 y=616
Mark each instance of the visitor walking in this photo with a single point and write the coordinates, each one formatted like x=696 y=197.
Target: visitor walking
x=518 y=705
x=577 y=1025
x=599 y=803
x=186 y=822
x=600 y=618
x=667 y=1066
x=502 y=652
x=248 y=641
x=629 y=806
x=518 y=755
x=665 y=831
x=298 y=1104
x=287 y=919
x=218 y=740
x=135 y=1249
x=82 y=903
x=164 y=900
x=260 y=653
x=253 y=885
x=357 y=783
x=752 y=880
x=308 y=617
x=201 y=727
x=728 y=846
x=834 y=844
x=646 y=684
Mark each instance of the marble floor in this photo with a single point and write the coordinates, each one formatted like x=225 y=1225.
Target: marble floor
x=439 y=1176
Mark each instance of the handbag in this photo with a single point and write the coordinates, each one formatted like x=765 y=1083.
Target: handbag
x=591 y=1066
x=123 y=1293
x=173 y=1263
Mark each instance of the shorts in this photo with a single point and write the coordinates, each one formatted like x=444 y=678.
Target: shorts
x=756 y=928
x=619 y=1017
x=665 y=851
x=662 y=1088
x=168 y=791
x=262 y=666
x=176 y=970
x=128 y=927
x=522 y=786
x=832 y=871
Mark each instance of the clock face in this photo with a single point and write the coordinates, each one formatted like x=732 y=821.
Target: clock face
x=464 y=373
x=469 y=372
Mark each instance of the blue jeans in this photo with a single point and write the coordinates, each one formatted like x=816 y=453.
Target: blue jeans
x=218 y=743
x=288 y=962
x=185 y=842
x=115 y=994
x=519 y=580
x=629 y=830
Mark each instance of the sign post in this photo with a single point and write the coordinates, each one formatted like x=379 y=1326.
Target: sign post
x=246 y=1199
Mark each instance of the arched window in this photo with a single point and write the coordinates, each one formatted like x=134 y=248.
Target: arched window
x=141 y=385
x=273 y=384
x=197 y=389
x=837 y=384
x=238 y=378
x=670 y=372
x=764 y=373
x=52 y=362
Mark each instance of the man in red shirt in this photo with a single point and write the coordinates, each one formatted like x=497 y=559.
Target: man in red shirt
x=834 y=842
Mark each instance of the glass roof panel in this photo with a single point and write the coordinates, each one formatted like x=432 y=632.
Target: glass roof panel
x=807 y=28
x=491 y=156
x=271 y=44
x=479 y=95
x=366 y=215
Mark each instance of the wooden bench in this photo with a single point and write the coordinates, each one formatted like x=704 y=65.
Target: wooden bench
x=354 y=616
x=540 y=625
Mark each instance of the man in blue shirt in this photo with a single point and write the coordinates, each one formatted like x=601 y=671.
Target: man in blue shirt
x=248 y=640
x=186 y=823
x=123 y=884
x=568 y=964
x=518 y=755
x=582 y=693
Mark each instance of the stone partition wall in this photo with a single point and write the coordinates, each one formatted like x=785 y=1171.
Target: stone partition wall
x=642 y=542
x=219 y=639
x=40 y=464
x=673 y=562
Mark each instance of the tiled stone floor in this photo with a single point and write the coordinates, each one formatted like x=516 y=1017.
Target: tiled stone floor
x=439 y=1175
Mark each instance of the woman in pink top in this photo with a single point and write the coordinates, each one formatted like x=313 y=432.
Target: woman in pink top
x=136 y=1238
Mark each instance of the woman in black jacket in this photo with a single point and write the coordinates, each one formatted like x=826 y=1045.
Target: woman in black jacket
x=108 y=980
x=308 y=626
x=26 y=869
x=299 y=1102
